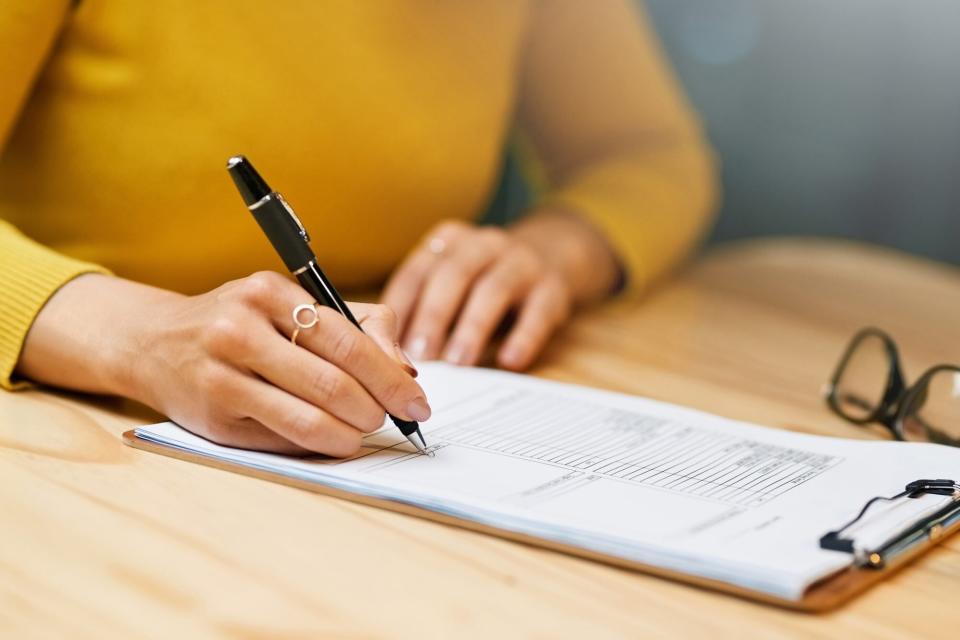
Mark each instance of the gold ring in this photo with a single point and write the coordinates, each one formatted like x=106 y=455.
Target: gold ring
x=300 y=324
x=437 y=246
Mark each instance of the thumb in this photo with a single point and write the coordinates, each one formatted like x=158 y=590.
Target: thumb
x=380 y=323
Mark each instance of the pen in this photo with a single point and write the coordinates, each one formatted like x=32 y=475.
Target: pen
x=287 y=235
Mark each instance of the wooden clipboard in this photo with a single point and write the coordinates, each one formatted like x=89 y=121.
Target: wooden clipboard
x=824 y=595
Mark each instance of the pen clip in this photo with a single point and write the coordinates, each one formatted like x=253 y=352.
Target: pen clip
x=293 y=216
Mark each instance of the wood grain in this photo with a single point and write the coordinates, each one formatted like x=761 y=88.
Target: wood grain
x=99 y=540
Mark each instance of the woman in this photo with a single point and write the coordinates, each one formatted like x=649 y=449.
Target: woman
x=126 y=256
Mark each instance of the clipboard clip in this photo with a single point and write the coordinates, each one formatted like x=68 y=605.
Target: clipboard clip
x=930 y=528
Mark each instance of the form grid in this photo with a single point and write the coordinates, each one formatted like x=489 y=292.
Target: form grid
x=637 y=448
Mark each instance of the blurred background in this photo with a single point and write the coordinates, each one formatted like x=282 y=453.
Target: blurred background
x=832 y=117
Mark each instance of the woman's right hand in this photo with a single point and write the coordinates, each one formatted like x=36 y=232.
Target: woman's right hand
x=222 y=365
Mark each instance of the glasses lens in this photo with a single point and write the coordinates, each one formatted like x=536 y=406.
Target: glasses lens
x=861 y=384
x=933 y=414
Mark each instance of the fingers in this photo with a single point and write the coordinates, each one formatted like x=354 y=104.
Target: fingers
x=493 y=295
x=381 y=324
x=278 y=296
x=403 y=288
x=337 y=341
x=453 y=303
x=446 y=288
x=341 y=344
x=292 y=419
x=317 y=381
x=237 y=405
x=405 y=284
x=546 y=307
x=247 y=433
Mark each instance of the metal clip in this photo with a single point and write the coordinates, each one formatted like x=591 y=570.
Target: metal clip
x=937 y=487
x=303 y=231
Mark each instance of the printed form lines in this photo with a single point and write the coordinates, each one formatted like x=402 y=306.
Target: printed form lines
x=637 y=448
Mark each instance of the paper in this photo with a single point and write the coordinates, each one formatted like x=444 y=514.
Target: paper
x=616 y=474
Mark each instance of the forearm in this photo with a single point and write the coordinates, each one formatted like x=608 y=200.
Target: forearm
x=653 y=207
x=81 y=338
x=612 y=135
x=575 y=248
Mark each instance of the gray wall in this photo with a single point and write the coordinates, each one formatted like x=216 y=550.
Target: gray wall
x=832 y=117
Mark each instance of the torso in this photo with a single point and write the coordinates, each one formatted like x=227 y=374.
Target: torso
x=376 y=120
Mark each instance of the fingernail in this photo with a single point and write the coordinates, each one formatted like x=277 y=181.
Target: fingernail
x=404 y=360
x=418 y=347
x=511 y=356
x=456 y=354
x=419 y=410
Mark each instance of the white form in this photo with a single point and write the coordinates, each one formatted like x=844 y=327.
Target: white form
x=621 y=475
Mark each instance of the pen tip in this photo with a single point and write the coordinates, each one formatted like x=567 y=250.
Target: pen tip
x=421 y=444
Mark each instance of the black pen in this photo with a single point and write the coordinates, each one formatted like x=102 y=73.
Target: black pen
x=287 y=235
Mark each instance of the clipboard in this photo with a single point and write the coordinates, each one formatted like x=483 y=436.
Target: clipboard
x=824 y=595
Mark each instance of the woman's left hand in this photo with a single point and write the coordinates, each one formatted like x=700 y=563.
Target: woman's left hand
x=456 y=288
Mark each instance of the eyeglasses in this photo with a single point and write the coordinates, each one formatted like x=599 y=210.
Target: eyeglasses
x=868 y=386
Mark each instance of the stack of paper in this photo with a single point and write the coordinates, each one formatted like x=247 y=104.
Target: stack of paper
x=623 y=476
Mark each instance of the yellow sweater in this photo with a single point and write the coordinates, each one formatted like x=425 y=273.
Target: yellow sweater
x=376 y=119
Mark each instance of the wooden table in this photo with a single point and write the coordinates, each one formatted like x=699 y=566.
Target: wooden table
x=99 y=540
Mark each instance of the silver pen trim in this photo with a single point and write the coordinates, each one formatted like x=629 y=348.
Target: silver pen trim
x=286 y=205
x=419 y=447
x=302 y=269
x=256 y=205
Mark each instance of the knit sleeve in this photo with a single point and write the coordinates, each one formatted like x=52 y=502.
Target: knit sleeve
x=29 y=272
x=613 y=135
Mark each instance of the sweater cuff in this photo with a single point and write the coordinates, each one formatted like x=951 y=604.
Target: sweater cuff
x=31 y=274
x=652 y=216
x=618 y=231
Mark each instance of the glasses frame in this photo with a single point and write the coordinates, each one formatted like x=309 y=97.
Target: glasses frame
x=897 y=397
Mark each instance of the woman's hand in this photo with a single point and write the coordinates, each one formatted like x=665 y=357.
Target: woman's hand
x=455 y=289
x=222 y=365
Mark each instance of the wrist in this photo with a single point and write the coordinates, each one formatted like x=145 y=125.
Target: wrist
x=130 y=356
x=87 y=336
x=575 y=249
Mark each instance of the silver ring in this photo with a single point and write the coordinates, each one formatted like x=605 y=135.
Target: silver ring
x=437 y=245
x=300 y=324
